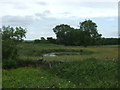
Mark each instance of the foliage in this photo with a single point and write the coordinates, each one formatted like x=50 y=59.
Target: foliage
x=36 y=41
x=34 y=51
x=77 y=73
x=42 y=38
x=86 y=35
x=51 y=40
x=61 y=32
x=13 y=33
x=90 y=29
x=9 y=63
x=109 y=41
x=90 y=73
x=11 y=37
x=28 y=77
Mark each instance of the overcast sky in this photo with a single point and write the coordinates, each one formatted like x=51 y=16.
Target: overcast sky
x=41 y=16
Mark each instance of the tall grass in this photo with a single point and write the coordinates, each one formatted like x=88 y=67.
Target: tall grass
x=30 y=51
x=97 y=67
x=90 y=73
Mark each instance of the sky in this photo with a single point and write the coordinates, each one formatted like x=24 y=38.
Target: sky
x=39 y=17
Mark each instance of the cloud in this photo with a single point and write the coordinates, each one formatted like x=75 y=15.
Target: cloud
x=17 y=20
x=40 y=16
x=45 y=15
x=16 y=4
x=21 y=6
x=78 y=8
x=41 y=3
x=91 y=0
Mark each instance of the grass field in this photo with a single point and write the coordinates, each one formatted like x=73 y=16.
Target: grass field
x=96 y=67
x=34 y=51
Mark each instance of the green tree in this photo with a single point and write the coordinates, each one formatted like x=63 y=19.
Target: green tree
x=61 y=32
x=86 y=35
x=11 y=37
x=43 y=39
x=90 y=29
x=77 y=37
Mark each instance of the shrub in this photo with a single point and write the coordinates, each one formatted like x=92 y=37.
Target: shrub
x=89 y=73
x=11 y=37
x=9 y=63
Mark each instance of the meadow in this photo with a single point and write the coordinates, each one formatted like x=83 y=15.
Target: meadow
x=32 y=51
x=95 y=67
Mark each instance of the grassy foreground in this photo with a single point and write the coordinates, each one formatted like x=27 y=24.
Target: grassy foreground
x=96 y=70
x=90 y=73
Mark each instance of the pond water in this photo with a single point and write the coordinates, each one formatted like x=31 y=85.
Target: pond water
x=61 y=53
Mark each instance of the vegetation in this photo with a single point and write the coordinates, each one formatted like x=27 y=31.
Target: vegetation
x=10 y=39
x=94 y=67
x=95 y=70
x=86 y=35
x=31 y=51
x=90 y=73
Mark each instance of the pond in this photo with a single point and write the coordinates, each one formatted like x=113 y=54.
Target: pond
x=61 y=53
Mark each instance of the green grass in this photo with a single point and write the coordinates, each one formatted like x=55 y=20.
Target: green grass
x=96 y=68
x=32 y=78
x=29 y=51
x=90 y=73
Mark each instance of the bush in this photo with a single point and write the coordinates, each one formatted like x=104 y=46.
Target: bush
x=25 y=63
x=11 y=37
x=9 y=49
x=9 y=63
x=90 y=73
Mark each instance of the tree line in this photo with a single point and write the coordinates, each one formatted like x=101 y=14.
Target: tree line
x=86 y=35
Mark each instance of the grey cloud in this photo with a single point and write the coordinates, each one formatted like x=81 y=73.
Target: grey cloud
x=15 y=5
x=40 y=16
x=45 y=15
x=92 y=4
x=17 y=20
x=20 y=6
x=42 y=3
x=47 y=12
x=66 y=13
x=99 y=4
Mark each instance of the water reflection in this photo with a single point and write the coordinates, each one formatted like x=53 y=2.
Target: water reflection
x=61 y=53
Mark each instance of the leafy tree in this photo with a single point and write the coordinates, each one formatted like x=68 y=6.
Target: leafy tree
x=86 y=35
x=51 y=40
x=90 y=29
x=36 y=41
x=43 y=39
x=61 y=32
x=10 y=39
x=77 y=37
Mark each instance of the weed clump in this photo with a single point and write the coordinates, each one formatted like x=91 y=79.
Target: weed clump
x=90 y=73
